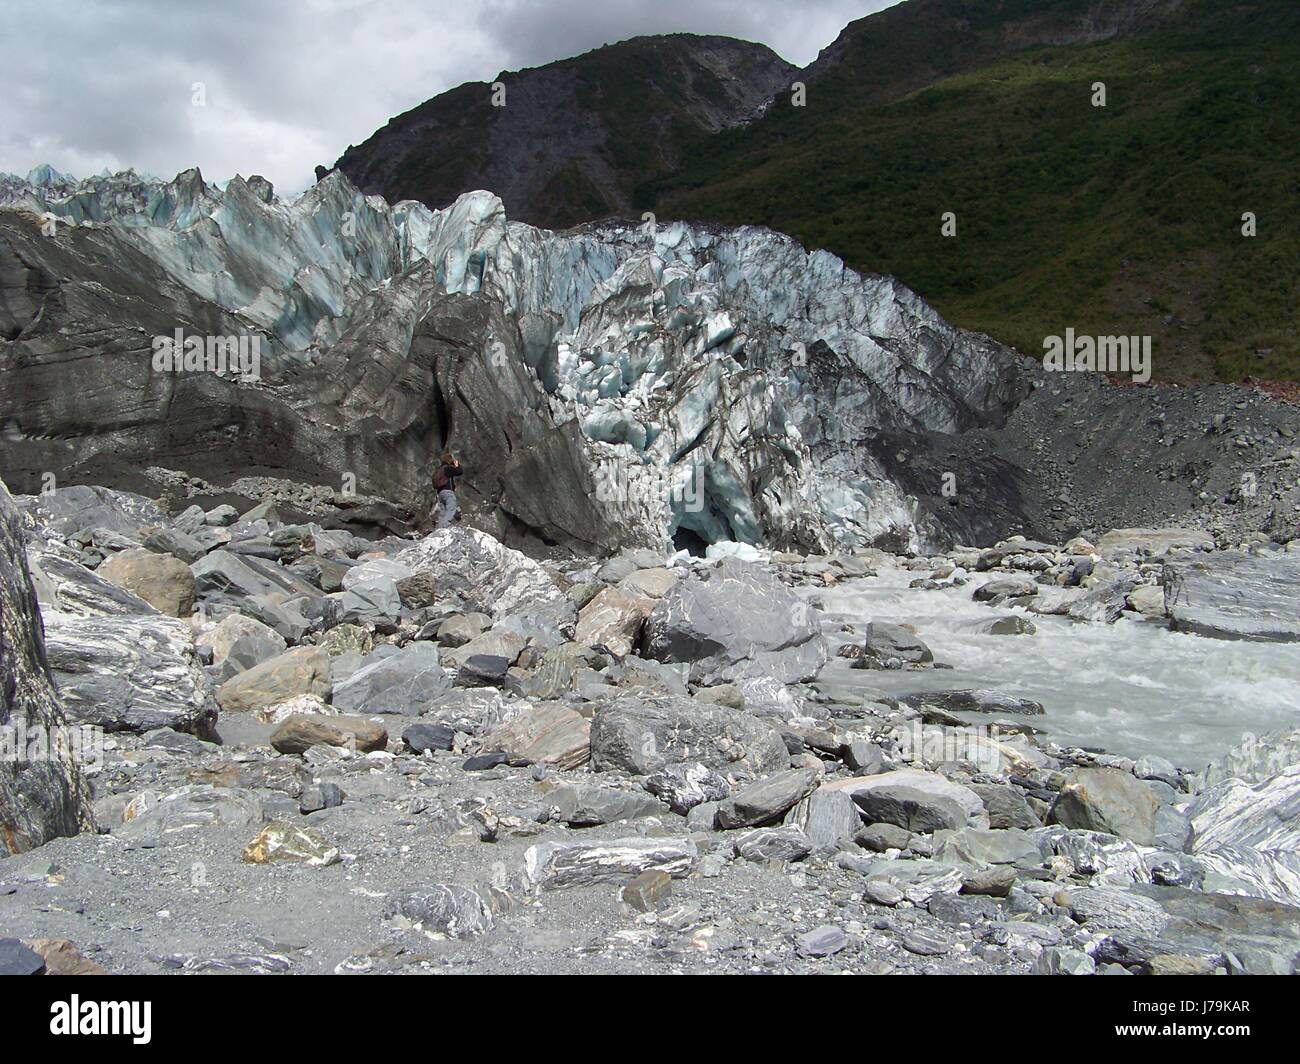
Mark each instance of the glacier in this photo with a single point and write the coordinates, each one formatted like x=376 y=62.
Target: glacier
x=678 y=383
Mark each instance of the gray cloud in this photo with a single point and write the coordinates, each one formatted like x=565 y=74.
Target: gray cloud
x=290 y=83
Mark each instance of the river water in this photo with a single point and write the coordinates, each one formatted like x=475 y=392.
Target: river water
x=1130 y=688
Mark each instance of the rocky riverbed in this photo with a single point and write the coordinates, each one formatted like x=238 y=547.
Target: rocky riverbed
x=308 y=750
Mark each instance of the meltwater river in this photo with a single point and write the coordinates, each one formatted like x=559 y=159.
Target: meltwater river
x=1129 y=688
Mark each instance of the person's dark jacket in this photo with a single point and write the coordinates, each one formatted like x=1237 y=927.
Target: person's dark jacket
x=451 y=472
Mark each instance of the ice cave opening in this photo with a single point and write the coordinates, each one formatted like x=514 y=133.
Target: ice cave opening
x=689 y=540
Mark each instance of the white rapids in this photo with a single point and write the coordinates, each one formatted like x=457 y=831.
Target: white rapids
x=1130 y=688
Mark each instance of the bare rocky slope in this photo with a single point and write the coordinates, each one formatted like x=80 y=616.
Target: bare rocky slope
x=570 y=141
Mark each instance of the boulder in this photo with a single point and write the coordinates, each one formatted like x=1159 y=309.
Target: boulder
x=375 y=602
x=723 y=694
x=406 y=682
x=916 y=881
x=736 y=621
x=973 y=702
x=981 y=847
x=301 y=671
x=483 y=670
x=913 y=799
x=164 y=582
x=421 y=737
x=649 y=890
x=460 y=628
x=1103 y=603
x=80 y=507
x=191 y=808
x=583 y=805
x=65 y=586
x=1058 y=961
x=1113 y=910
x=685 y=785
x=130 y=673
x=1107 y=800
x=482 y=574
x=1256 y=758
x=884 y=643
x=774 y=844
x=555 y=865
x=1231 y=595
x=235 y=629
x=495 y=644
x=300 y=732
x=63 y=958
x=1261 y=816
x=1153 y=541
x=830 y=820
x=612 y=620
x=1006 y=807
x=641 y=732
x=548 y=732
x=177 y=543
x=1005 y=588
x=648 y=583
x=824 y=941
x=767 y=799
x=1148 y=600
x=280 y=842
x=225 y=578
x=346 y=639
x=446 y=909
x=47 y=797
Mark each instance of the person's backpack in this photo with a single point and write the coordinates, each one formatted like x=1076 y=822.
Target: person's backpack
x=441 y=482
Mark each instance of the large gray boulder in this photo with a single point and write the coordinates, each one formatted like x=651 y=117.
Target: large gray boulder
x=737 y=621
x=766 y=800
x=584 y=805
x=642 y=733
x=130 y=673
x=66 y=586
x=42 y=797
x=1108 y=800
x=407 y=682
x=230 y=579
x=238 y=643
x=81 y=507
x=914 y=799
x=555 y=865
x=888 y=643
x=483 y=575
x=1232 y=595
x=1262 y=816
x=1256 y=758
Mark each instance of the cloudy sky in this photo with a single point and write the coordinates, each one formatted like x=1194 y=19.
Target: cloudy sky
x=288 y=84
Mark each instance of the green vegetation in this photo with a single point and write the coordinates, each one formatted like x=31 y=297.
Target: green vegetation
x=1125 y=219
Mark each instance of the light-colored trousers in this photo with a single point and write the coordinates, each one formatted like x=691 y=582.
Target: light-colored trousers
x=447 y=507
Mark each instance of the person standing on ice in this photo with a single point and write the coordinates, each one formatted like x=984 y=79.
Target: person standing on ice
x=444 y=483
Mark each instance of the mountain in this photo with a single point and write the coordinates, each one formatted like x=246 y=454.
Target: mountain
x=572 y=138
x=1123 y=219
x=1117 y=220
